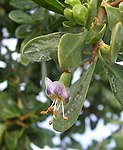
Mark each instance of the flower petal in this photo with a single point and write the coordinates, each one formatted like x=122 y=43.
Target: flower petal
x=56 y=90
x=48 y=83
x=60 y=90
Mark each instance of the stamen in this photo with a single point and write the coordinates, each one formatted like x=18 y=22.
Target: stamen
x=52 y=103
x=50 y=108
x=55 y=112
x=55 y=104
x=65 y=118
x=43 y=112
x=58 y=106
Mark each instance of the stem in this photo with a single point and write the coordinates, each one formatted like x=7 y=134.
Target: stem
x=22 y=118
x=116 y=2
x=16 y=122
x=94 y=51
x=105 y=48
x=101 y=14
x=20 y=104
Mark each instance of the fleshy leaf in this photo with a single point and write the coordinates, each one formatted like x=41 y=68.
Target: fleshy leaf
x=116 y=83
x=41 y=48
x=20 y=17
x=118 y=136
x=40 y=137
x=116 y=41
x=95 y=34
x=24 y=60
x=53 y=5
x=23 y=4
x=70 y=51
x=114 y=16
x=8 y=107
x=23 y=30
x=99 y=3
x=78 y=92
x=12 y=138
x=92 y=11
x=2 y=130
x=40 y=14
x=115 y=76
x=35 y=32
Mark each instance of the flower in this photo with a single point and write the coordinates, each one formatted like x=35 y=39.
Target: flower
x=58 y=93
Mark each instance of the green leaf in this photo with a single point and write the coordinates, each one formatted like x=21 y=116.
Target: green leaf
x=2 y=130
x=40 y=137
x=24 y=143
x=32 y=105
x=121 y=7
x=120 y=57
x=36 y=32
x=114 y=16
x=72 y=3
x=24 y=60
x=75 y=145
x=41 y=48
x=116 y=84
x=116 y=41
x=69 y=24
x=23 y=4
x=95 y=34
x=78 y=92
x=20 y=17
x=53 y=5
x=8 y=107
x=99 y=3
x=23 y=31
x=115 y=76
x=119 y=139
x=70 y=51
x=80 y=12
x=112 y=101
x=11 y=139
x=92 y=11
x=66 y=78
x=40 y=14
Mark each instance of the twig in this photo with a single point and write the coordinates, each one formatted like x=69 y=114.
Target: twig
x=116 y=3
x=16 y=122
x=26 y=116
x=94 y=50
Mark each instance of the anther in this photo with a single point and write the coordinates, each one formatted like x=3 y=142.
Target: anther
x=50 y=108
x=55 y=112
x=65 y=118
x=43 y=112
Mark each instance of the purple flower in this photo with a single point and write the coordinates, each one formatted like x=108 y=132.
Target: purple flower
x=58 y=93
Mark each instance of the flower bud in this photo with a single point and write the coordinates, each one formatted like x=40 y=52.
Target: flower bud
x=68 y=14
x=72 y=2
x=66 y=79
x=80 y=13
